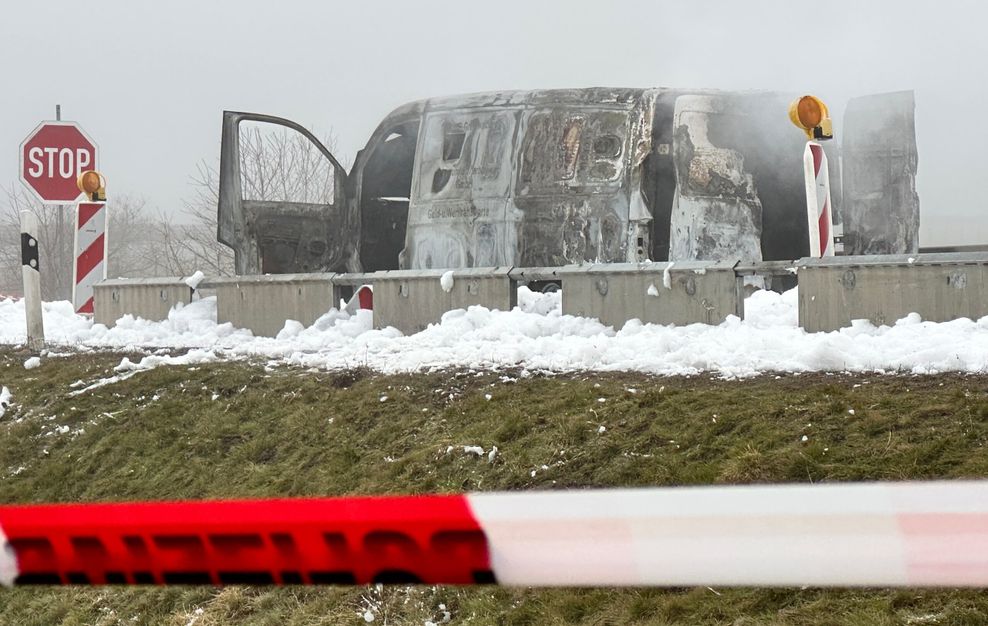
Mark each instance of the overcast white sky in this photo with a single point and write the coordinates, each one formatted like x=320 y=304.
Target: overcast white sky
x=148 y=80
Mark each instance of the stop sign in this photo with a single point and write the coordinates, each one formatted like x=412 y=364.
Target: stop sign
x=52 y=157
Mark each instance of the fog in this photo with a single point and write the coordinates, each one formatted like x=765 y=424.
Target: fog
x=149 y=80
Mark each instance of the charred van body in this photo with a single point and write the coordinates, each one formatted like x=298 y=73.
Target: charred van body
x=557 y=177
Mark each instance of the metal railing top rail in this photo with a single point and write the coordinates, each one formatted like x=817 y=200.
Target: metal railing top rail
x=937 y=258
x=533 y=274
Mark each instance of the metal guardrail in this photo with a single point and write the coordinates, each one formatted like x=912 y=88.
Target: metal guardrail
x=833 y=291
x=264 y=303
x=959 y=248
x=940 y=287
x=682 y=292
x=149 y=298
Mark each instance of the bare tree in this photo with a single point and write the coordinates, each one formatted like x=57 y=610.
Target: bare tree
x=130 y=237
x=276 y=164
x=127 y=238
x=54 y=244
x=282 y=165
x=190 y=245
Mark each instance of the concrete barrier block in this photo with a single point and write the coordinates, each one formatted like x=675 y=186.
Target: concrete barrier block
x=410 y=300
x=883 y=289
x=263 y=303
x=699 y=292
x=147 y=298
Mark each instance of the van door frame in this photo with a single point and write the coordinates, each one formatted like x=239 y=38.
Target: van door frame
x=231 y=226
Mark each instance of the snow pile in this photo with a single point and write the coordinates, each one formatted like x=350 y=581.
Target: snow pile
x=446 y=281
x=767 y=309
x=540 y=303
x=194 y=280
x=535 y=336
x=5 y=399
x=190 y=326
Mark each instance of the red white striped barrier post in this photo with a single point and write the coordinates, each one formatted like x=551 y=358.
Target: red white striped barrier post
x=871 y=534
x=89 y=267
x=363 y=298
x=818 y=212
x=810 y=114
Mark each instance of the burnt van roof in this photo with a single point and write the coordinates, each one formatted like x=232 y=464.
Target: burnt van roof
x=586 y=96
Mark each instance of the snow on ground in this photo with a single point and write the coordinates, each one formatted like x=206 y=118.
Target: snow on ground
x=5 y=399
x=535 y=336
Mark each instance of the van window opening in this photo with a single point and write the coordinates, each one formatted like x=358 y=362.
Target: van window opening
x=607 y=146
x=569 y=147
x=453 y=144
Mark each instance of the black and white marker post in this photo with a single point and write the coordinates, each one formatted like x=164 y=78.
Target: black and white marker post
x=31 y=270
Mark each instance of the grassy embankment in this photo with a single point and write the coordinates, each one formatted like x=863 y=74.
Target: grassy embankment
x=236 y=430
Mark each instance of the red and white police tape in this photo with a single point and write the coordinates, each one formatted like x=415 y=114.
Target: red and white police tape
x=873 y=534
x=818 y=200
x=90 y=254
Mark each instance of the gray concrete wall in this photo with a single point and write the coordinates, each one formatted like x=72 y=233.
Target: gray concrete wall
x=699 y=291
x=148 y=298
x=262 y=304
x=411 y=300
x=940 y=287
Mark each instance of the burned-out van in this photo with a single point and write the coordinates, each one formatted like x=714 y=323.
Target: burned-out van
x=556 y=177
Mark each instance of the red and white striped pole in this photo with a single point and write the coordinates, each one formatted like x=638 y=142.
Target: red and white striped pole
x=818 y=212
x=89 y=266
x=870 y=534
x=90 y=254
x=810 y=114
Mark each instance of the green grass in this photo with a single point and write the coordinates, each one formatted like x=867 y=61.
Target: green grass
x=237 y=429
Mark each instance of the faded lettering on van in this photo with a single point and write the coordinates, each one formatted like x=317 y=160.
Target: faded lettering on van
x=456 y=211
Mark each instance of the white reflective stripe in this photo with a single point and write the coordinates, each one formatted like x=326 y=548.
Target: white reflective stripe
x=852 y=534
x=818 y=200
x=8 y=562
x=87 y=234
x=84 y=288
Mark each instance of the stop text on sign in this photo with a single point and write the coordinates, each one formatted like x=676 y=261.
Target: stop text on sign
x=69 y=162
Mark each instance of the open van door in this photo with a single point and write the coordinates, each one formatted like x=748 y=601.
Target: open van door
x=282 y=203
x=880 y=206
